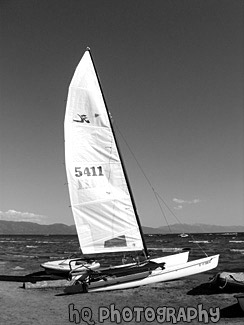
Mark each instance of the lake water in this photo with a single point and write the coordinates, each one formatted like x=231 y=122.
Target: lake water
x=23 y=254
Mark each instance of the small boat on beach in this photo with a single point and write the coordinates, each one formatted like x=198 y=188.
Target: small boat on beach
x=229 y=281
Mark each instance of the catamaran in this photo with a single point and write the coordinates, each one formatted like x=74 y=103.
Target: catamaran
x=102 y=201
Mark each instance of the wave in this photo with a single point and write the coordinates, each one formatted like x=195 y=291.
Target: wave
x=12 y=241
x=199 y=241
x=236 y=241
x=47 y=242
x=15 y=256
x=165 y=249
x=17 y=268
x=237 y=250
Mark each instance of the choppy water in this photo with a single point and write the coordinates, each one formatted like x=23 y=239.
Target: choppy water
x=23 y=254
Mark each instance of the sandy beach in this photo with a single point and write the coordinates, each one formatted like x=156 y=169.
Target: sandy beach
x=178 y=302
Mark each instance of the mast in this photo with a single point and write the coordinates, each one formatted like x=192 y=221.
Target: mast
x=121 y=159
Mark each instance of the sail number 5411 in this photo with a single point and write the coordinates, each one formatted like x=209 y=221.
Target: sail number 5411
x=89 y=171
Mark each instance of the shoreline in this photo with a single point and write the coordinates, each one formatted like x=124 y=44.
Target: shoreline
x=51 y=306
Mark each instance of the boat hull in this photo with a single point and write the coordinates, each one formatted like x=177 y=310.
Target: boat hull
x=69 y=265
x=159 y=274
x=171 y=260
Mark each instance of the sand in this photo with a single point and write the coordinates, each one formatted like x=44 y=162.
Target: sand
x=180 y=302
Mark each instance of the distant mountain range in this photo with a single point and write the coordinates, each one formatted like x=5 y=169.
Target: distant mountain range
x=195 y=228
x=31 y=228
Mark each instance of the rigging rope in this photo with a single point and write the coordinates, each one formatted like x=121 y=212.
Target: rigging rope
x=147 y=179
x=156 y=194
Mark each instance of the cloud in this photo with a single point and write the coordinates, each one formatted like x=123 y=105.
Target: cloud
x=179 y=207
x=12 y=215
x=180 y=202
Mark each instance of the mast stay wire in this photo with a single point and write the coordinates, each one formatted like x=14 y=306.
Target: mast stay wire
x=156 y=194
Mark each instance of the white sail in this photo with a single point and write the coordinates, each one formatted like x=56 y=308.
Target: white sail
x=101 y=204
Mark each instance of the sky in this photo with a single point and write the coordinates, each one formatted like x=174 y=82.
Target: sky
x=172 y=73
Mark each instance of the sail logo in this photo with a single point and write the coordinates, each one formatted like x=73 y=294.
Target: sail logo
x=83 y=118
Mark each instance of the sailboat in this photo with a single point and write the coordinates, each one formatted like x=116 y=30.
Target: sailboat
x=183 y=235
x=102 y=201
